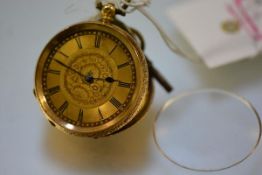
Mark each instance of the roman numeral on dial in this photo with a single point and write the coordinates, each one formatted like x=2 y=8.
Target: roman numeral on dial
x=97 y=40
x=62 y=53
x=115 y=102
x=78 y=41
x=63 y=107
x=113 y=49
x=53 y=90
x=123 y=65
x=56 y=72
x=80 y=116
x=123 y=84
x=100 y=114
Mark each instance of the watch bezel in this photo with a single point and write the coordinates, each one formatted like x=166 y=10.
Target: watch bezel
x=138 y=96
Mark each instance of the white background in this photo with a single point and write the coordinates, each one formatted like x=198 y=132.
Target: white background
x=29 y=145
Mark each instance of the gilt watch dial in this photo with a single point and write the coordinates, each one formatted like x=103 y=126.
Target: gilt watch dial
x=89 y=77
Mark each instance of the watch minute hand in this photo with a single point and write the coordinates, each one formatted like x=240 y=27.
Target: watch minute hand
x=68 y=67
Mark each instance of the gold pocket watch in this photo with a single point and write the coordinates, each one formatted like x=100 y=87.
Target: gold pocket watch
x=92 y=79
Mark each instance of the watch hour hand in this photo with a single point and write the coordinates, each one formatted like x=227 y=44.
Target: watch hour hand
x=107 y=79
x=110 y=79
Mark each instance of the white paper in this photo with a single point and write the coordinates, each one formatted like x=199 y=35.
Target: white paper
x=200 y=23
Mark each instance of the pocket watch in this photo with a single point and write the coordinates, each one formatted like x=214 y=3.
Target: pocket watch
x=92 y=79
